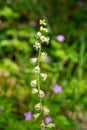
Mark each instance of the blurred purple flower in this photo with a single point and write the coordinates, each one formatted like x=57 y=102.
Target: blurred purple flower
x=57 y=89
x=60 y=38
x=0 y=22
x=48 y=60
x=80 y=2
x=48 y=119
x=28 y=115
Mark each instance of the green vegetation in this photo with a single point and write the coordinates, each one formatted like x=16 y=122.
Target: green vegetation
x=66 y=85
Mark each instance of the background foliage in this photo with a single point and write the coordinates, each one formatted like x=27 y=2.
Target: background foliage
x=67 y=67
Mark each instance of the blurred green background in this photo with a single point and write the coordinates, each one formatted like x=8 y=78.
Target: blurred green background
x=66 y=66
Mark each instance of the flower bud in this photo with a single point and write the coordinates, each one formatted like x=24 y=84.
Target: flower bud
x=37 y=45
x=37 y=106
x=42 y=22
x=33 y=60
x=37 y=69
x=42 y=125
x=41 y=94
x=36 y=116
x=51 y=125
x=34 y=90
x=45 y=110
x=43 y=55
x=38 y=34
x=44 y=39
x=43 y=29
x=44 y=76
x=33 y=83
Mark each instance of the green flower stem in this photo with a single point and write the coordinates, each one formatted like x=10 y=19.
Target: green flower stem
x=39 y=83
x=39 y=77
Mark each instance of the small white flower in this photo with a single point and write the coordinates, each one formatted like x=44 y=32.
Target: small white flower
x=36 y=116
x=42 y=22
x=38 y=34
x=47 y=40
x=43 y=29
x=43 y=55
x=51 y=125
x=41 y=94
x=37 y=106
x=44 y=39
x=34 y=90
x=44 y=76
x=46 y=110
x=33 y=60
x=37 y=45
x=42 y=125
x=37 y=69
x=33 y=83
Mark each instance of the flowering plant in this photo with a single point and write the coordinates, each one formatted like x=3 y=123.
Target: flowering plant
x=35 y=83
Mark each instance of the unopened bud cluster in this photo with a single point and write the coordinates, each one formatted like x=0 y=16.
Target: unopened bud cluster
x=42 y=38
